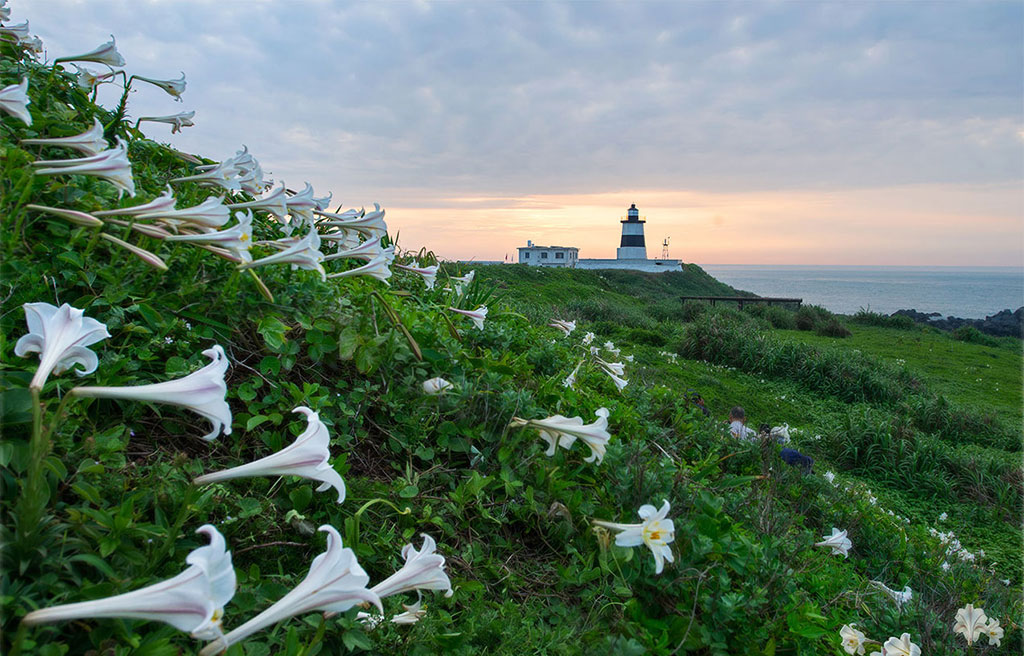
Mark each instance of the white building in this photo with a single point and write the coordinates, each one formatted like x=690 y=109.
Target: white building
x=559 y=256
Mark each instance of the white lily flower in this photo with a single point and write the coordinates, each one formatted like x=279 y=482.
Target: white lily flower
x=88 y=80
x=436 y=386
x=970 y=621
x=377 y=268
x=301 y=205
x=223 y=175
x=73 y=216
x=565 y=326
x=620 y=383
x=201 y=391
x=19 y=31
x=306 y=457
x=236 y=239
x=90 y=142
x=588 y=338
x=323 y=202
x=901 y=646
x=900 y=597
x=251 y=181
x=302 y=254
x=370 y=224
x=334 y=584
x=423 y=570
x=275 y=203
x=853 y=640
x=154 y=208
x=429 y=273
x=945 y=566
x=628 y=358
x=60 y=336
x=174 y=87
x=478 y=315
x=112 y=165
x=462 y=282
x=655 y=531
x=414 y=612
x=570 y=380
x=176 y=121
x=830 y=477
x=993 y=631
x=192 y=601
x=5 y=11
x=368 y=250
x=34 y=46
x=838 y=542
x=614 y=368
x=563 y=431
x=103 y=54
x=14 y=100
x=211 y=213
x=943 y=517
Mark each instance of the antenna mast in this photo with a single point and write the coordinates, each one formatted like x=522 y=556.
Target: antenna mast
x=664 y=248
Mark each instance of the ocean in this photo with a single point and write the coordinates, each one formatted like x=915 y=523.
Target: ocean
x=966 y=292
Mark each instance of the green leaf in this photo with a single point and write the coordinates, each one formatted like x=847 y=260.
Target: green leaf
x=255 y=421
x=151 y=316
x=348 y=341
x=409 y=491
x=301 y=497
x=272 y=331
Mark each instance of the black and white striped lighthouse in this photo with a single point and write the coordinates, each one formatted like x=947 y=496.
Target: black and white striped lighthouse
x=632 y=246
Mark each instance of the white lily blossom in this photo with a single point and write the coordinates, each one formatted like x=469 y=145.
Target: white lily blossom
x=463 y=282
x=943 y=517
x=436 y=386
x=853 y=640
x=429 y=274
x=830 y=476
x=370 y=224
x=211 y=213
x=275 y=203
x=88 y=80
x=944 y=566
x=620 y=383
x=900 y=597
x=588 y=338
x=236 y=239
x=378 y=267
x=174 y=87
x=565 y=326
x=610 y=347
x=628 y=358
x=838 y=542
x=223 y=175
x=901 y=646
x=90 y=142
x=5 y=11
x=570 y=380
x=423 y=570
x=970 y=622
x=368 y=250
x=301 y=254
x=301 y=205
x=993 y=631
x=111 y=165
x=201 y=391
x=176 y=121
x=616 y=368
x=335 y=583
x=61 y=336
x=564 y=431
x=14 y=100
x=19 y=31
x=478 y=315
x=323 y=202
x=413 y=613
x=159 y=205
x=656 y=531
x=103 y=54
x=307 y=457
x=192 y=601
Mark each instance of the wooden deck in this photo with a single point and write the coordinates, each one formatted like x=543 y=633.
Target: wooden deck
x=743 y=300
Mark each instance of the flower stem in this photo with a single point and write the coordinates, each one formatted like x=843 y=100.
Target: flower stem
x=33 y=502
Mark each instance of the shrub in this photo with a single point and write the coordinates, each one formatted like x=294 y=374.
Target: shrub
x=897 y=321
x=693 y=310
x=972 y=335
x=832 y=328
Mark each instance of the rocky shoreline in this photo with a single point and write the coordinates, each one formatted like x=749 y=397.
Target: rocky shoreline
x=1006 y=323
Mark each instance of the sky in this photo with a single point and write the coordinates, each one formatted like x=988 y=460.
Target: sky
x=884 y=133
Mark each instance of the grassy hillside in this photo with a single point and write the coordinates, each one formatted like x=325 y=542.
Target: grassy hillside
x=98 y=495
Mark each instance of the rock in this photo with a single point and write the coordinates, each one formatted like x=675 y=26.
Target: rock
x=1005 y=323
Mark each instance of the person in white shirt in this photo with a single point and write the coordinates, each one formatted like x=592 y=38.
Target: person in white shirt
x=738 y=425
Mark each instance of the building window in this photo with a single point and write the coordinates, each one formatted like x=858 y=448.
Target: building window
x=559 y=256
x=544 y=255
x=526 y=255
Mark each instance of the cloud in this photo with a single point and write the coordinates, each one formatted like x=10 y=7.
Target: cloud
x=414 y=103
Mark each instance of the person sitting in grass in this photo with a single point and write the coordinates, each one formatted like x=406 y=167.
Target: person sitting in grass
x=738 y=425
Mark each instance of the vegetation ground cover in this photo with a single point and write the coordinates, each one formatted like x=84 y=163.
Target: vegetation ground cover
x=531 y=573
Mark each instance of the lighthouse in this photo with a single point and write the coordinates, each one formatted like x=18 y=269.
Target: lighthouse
x=632 y=246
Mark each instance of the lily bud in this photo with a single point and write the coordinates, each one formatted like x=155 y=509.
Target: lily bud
x=149 y=258
x=174 y=87
x=74 y=216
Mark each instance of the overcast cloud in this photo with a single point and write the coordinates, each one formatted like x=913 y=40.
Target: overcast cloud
x=415 y=103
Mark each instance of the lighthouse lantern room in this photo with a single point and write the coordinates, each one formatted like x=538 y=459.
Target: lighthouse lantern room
x=632 y=246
